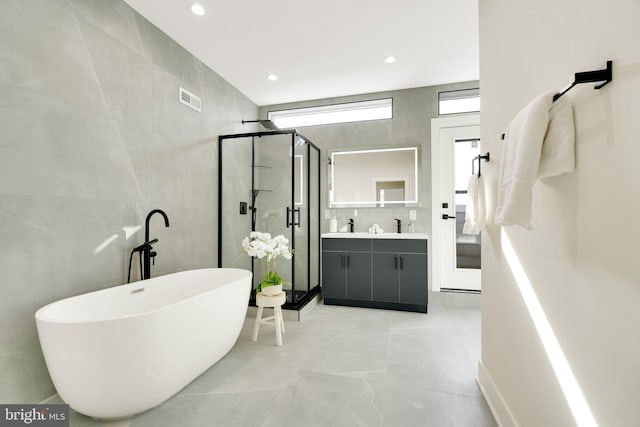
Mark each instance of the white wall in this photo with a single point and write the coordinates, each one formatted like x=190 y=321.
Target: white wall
x=581 y=257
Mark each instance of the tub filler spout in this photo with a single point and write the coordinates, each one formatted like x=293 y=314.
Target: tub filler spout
x=148 y=254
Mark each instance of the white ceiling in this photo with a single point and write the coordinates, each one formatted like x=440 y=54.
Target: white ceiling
x=325 y=48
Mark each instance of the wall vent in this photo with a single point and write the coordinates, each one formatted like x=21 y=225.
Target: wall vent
x=190 y=100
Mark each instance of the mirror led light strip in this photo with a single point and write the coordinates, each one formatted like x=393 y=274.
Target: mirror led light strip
x=373 y=202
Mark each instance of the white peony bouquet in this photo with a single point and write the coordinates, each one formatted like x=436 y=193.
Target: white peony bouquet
x=262 y=245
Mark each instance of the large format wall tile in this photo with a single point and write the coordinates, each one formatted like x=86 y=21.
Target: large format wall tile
x=138 y=144
x=168 y=55
x=53 y=148
x=123 y=75
x=184 y=171
x=113 y=17
x=24 y=375
x=223 y=105
x=170 y=117
x=42 y=50
x=93 y=138
x=52 y=248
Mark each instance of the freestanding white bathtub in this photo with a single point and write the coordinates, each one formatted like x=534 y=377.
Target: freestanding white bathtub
x=120 y=351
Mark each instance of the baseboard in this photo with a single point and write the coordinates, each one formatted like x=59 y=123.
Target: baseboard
x=497 y=404
x=48 y=399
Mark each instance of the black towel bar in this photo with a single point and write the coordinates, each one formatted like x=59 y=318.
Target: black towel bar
x=605 y=76
x=479 y=157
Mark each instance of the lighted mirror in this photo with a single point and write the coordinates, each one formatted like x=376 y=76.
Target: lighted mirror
x=374 y=178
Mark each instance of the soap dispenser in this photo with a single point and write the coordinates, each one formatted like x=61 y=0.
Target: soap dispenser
x=333 y=223
x=412 y=217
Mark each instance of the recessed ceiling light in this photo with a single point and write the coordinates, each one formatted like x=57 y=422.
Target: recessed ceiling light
x=390 y=59
x=197 y=9
x=272 y=77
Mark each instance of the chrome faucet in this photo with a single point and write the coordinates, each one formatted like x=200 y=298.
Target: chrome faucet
x=146 y=248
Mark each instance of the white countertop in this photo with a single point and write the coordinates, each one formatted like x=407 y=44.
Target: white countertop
x=423 y=236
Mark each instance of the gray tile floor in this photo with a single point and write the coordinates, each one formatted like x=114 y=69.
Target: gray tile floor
x=341 y=366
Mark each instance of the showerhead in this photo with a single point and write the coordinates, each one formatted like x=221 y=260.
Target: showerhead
x=267 y=124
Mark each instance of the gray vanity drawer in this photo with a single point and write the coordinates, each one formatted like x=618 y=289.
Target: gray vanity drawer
x=357 y=245
x=400 y=246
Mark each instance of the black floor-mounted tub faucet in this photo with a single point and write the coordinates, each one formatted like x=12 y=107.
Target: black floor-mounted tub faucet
x=147 y=249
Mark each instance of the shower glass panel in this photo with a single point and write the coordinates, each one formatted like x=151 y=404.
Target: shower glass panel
x=271 y=198
x=313 y=186
x=301 y=217
x=270 y=182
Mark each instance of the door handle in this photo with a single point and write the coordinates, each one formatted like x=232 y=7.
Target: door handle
x=288 y=216
x=348 y=261
x=445 y=216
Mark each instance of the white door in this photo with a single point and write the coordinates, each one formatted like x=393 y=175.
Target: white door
x=455 y=141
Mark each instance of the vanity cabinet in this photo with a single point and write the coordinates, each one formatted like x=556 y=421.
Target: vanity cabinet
x=346 y=268
x=400 y=271
x=377 y=273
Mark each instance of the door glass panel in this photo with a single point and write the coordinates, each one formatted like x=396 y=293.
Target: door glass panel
x=467 y=246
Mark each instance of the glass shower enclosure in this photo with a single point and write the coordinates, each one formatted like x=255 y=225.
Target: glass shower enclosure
x=270 y=182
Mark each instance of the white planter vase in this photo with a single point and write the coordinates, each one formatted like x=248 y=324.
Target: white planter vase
x=271 y=290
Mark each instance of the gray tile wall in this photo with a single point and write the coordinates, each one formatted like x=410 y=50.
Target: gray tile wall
x=92 y=137
x=413 y=110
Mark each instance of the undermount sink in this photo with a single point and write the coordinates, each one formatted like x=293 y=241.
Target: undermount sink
x=361 y=235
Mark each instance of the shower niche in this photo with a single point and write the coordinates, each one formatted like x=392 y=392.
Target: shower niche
x=270 y=182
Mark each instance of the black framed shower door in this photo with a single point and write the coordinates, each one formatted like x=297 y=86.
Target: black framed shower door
x=270 y=182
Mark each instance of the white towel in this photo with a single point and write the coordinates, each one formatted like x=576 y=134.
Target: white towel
x=558 y=148
x=520 y=160
x=476 y=212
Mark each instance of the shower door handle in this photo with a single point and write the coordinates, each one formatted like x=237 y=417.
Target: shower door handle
x=296 y=222
x=291 y=219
